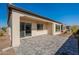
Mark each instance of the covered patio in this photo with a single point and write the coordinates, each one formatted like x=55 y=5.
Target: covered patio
x=24 y=24
x=30 y=27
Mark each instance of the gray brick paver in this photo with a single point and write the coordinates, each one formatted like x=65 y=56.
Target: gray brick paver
x=40 y=45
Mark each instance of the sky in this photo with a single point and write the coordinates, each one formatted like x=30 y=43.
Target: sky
x=62 y=12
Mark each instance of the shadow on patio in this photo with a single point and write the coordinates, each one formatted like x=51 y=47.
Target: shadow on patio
x=70 y=47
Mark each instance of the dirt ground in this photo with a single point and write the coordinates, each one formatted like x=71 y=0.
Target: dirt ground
x=8 y=52
x=5 y=43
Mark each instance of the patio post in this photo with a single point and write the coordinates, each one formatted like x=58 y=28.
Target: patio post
x=15 y=30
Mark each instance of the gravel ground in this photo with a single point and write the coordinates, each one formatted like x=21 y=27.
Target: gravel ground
x=70 y=47
x=41 y=45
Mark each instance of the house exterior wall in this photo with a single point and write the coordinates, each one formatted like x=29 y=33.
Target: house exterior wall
x=34 y=30
x=50 y=28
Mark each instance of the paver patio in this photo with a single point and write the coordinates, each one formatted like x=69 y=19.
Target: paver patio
x=41 y=45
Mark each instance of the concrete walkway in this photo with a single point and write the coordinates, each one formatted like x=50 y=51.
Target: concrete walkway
x=41 y=45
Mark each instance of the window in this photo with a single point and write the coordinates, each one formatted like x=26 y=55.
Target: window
x=25 y=29
x=57 y=28
x=39 y=26
x=62 y=28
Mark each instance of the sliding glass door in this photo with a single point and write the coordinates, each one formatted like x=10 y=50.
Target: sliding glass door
x=25 y=29
x=28 y=29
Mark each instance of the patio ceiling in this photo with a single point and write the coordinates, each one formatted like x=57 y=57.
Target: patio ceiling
x=34 y=18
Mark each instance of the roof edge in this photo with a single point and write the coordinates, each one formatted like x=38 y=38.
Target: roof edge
x=10 y=7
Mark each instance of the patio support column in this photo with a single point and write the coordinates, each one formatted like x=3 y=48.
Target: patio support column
x=15 y=29
x=60 y=28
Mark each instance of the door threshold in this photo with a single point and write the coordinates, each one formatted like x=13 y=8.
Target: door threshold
x=26 y=37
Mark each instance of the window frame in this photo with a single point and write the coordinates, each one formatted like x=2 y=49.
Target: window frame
x=39 y=26
x=57 y=28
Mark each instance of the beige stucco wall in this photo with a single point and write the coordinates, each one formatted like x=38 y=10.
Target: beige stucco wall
x=50 y=28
